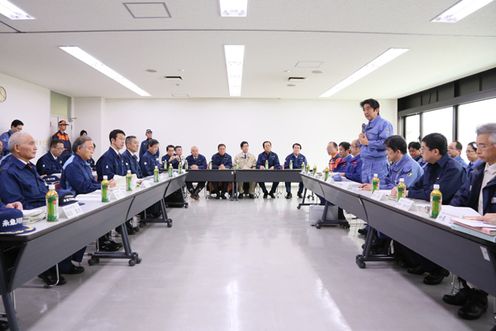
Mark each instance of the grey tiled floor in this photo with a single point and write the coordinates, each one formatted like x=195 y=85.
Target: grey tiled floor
x=247 y=265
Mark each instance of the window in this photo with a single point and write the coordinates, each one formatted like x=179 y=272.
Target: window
x=412 y=128
x=439 y=121
x=471 y=115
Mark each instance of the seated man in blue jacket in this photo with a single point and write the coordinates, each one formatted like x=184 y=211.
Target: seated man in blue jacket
x=440 y=169
x=344 y=151
x=196 y=161
x=19 y=182
x=401 y=166
x=130 y=158
x=148 y=161
x=354 y=169
x=51 y=163
x=270 y=160
x=473 y=302
x=221 y=160
x=111 y=164
x=298 y=160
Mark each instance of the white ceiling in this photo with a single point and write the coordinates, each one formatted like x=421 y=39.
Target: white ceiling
x=342 y=34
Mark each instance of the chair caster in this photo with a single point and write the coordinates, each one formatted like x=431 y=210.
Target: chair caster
x=360 y=261
x=318 y=225
x=299 y=207
x=132 y=263
x=169 y=223
x=94 y=260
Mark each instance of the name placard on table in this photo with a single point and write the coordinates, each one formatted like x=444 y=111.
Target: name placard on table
x=69 y=211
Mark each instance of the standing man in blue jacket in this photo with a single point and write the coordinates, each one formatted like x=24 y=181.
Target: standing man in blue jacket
x=270 y=160
x=372 y=138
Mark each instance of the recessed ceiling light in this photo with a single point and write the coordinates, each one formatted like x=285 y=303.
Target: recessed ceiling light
x=233 y=8
x=234 y=64
x=375 y=64
x=308 y=64
x=460 y=10
x=291 y=85
x=96 y=64
x=8 y=9
x=151 y=70
x=317 y=72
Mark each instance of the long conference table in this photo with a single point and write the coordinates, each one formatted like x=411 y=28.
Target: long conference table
x=236 y=176
x=470 y=256
x=24 y=256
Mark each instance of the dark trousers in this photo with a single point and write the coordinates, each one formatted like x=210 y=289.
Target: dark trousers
x=198 y=188
x=219 y=187
x=272 y=190
x=288 y=187
x=66 y=264
x=414 y=259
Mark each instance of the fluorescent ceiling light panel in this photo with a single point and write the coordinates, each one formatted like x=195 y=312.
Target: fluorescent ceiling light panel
x=234 y=65
x=460 y=10
x=233 y=8
x=378 y=62
x=96 y=64
x=8 y=9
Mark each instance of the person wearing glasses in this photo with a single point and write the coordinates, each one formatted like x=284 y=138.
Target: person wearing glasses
x=62 y=136
x=51 y=163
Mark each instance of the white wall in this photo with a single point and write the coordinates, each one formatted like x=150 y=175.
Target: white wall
x=31 y=104
x=88 y=115
x=207 y=122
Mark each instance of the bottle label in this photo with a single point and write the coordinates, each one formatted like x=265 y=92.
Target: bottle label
x=52 y=205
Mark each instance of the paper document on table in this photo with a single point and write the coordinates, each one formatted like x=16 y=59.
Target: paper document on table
x=460 y=212
x=94 y=196
x=474 y=224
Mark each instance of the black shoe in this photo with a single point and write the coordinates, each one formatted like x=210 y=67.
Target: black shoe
x=223 y=196
x=475 y=306
x=109 y=246
x=436 y=277
x=418 y=270
x=458 y=299
x=265 y=195
x=289 y=196
x=50 y=278
x=300 y=195
x=240 y=196
x=251 y=196
x=272 y=195
x=363 y=231
x=74 y=270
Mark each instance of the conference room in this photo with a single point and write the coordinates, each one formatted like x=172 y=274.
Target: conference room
x=247 y=165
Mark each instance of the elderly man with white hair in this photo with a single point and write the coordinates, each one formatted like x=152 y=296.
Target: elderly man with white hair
x=20 y=182
x=478 y=193
x=196 y=161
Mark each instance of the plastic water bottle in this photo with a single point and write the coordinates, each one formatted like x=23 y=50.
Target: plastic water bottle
x=375 y=183
x=129 y=181
x=105 y=187
x=400 y=189
x=436 y=201
x=52 y=204
x=155 y=175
